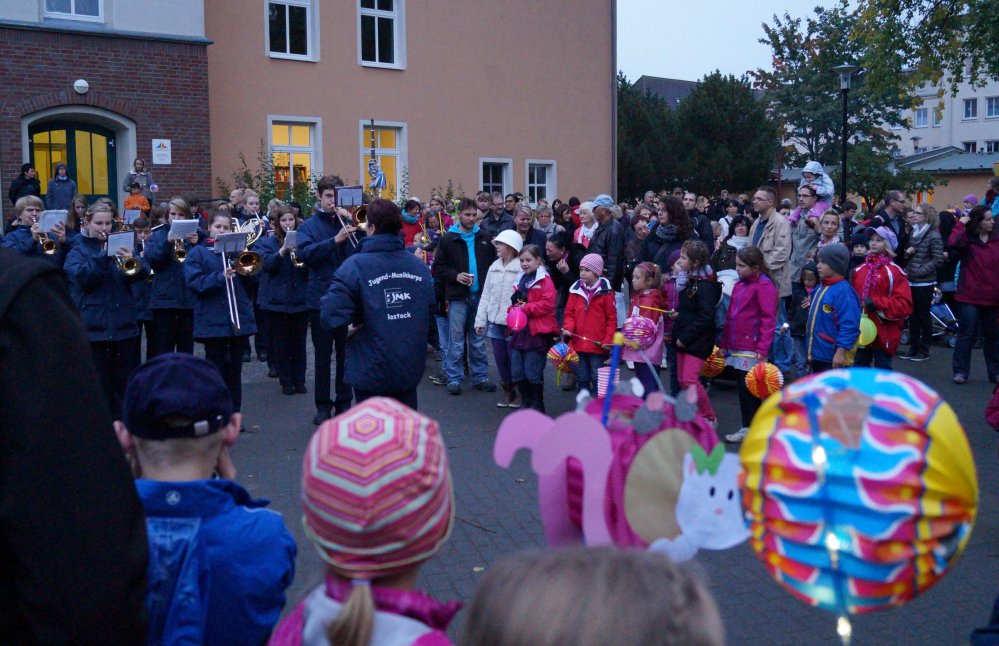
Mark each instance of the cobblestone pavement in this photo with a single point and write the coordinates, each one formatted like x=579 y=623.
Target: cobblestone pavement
x=497 y=513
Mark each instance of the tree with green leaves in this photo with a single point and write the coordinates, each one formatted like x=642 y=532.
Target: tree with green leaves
x=643 y=152
x=933 y=41
x=722 y=137
x=803 y=92
x=874 y=173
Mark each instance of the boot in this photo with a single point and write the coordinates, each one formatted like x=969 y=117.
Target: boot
x=526 y=394
x=513 y=400
x=508 y=396
x=538 y=397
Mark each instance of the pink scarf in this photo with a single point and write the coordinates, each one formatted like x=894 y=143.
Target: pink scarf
x=874 y=263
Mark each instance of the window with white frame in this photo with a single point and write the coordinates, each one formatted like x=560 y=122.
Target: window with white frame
x=290 y=30
x=970 y=146
x=389 y=144
x=75 y=9
x=937 y=117
x=970 y=109
x=540 y=180
x=381 y=33
x=294 y=143
x=992 y=107
x=992 y=145
x=919 y=118
x=495 y=174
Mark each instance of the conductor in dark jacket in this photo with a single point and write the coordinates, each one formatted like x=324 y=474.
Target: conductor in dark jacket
x=384 y=292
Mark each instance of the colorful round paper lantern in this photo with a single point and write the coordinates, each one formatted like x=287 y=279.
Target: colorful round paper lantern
x=859 y=487
x=562 y=357
x=713 y=365
x=763 y=380
x=639 y=330
x=868 y=331
x=154 y=188
x=516 y=320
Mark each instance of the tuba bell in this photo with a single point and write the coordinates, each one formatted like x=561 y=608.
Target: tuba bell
x=249 y=263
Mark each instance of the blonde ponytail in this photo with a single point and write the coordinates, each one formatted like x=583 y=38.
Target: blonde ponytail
x=356 y=622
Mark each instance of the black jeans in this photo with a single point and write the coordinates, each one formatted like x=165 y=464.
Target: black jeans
x=872 y=358
x=971 y=319
x=323 y=343
x=748 y=403
x=288 y=332
x=226 y=352
x=115 y=361
x=172 y=331
x=920 y=324
x=405 y=397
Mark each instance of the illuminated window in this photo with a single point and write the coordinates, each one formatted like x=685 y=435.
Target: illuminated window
x=381 y=33
x=289 y=29
x=293 y=153
x=75 y=9
x=389 y=145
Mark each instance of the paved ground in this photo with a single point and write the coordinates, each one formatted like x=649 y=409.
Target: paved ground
x=497 y=514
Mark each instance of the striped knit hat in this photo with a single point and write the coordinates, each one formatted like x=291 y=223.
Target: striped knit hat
x=376 y=490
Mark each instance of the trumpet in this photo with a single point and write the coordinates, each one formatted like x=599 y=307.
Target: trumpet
x=179 y=252
x=295 y=260
x=128 y=266
x=49 y=246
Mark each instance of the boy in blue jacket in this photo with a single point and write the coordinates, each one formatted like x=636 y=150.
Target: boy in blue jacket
x=834 y=312
x=219 y=561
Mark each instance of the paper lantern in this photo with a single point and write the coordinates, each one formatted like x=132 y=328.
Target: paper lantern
x=639 y=330
x=868 y=331
x=859 y=487
x=516 y=320
x=154 y=188
x=763 y=380
x=713 y=365
x=562 y=357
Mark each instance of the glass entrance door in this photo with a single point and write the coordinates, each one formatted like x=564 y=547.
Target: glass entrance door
x=88 y=151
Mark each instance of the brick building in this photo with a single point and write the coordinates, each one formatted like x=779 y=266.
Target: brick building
x=92 y=83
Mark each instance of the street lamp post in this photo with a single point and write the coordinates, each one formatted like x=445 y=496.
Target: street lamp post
x=845 y=72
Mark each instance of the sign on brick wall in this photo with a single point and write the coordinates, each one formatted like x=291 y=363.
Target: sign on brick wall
x=161 y=151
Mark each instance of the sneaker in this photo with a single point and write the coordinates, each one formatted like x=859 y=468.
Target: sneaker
x=959 y=379
x=454 y=388
x=321 y=416
x=907 y=353
x=288 y=390
x=484 y=386
x=438 y=380
x=247 y=357
x=919 y=356
x=301 y=389
x=262 y=357
x=272 y=373
x=630 y=364
x=738 y=436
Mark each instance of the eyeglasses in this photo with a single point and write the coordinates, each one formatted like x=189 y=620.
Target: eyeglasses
x=917 y=213
x=898 y=200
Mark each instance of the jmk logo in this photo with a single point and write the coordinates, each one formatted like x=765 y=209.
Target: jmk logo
x=395 y=297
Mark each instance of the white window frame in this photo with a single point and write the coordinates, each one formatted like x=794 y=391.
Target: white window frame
x=399 y=30
x=937 y=119
x=991 y=146
x=551 y=186
x=75 y=16
x=507 y=172
x=994 y=100
x=316 y=150
x=968 y=102
x=312 y=28
x=970 y=144
x=915 y=117
x=364 y=147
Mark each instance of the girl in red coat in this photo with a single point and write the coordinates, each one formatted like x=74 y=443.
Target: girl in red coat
x=749 y=328
x=885 y=296
x=590 y=320
x=535 y=294
x=648 y=300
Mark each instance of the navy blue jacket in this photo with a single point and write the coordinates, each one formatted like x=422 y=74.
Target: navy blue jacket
x=322 y=256
x=205 y=276
x=282 y=285
x=387 y=291
x=232 y=591
x=169 y=287
x=19 y=239
x=102 y=292
x=141 y=289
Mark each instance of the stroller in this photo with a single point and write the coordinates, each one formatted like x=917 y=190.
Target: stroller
x=942 y=320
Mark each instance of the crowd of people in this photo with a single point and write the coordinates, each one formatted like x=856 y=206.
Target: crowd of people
x=738 y=280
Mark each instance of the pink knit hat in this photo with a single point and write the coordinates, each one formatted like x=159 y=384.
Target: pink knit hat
x=594 y=262
x=376 y=490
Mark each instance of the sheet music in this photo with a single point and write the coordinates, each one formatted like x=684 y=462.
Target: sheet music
x=231 y=243
x=118 y=240
x=291 y=240
x=348 y=196
x=180 y=229
x=50 y=218
x=131 y=215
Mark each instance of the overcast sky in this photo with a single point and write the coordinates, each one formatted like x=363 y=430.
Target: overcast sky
x=687 y=40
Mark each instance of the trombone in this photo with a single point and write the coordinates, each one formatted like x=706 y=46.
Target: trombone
x=360 y=218
x=230 y=295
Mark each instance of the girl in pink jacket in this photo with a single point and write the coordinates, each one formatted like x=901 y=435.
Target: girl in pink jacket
x=749 y=328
